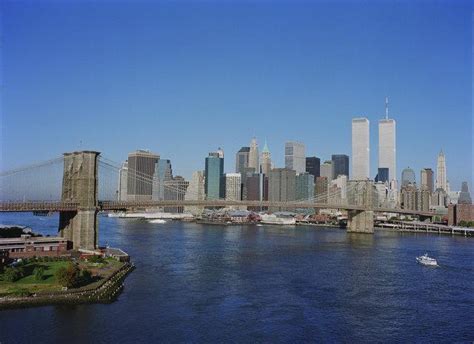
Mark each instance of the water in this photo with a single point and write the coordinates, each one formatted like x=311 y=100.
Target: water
x=201 y=283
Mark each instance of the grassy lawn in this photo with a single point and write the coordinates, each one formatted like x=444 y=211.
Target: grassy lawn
x=49 y=283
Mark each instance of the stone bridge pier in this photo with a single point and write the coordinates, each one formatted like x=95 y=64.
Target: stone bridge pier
x=360 y=221
x=80 y=184
x=361 y=194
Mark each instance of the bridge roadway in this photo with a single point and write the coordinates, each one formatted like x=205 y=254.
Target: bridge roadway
x=131 y=205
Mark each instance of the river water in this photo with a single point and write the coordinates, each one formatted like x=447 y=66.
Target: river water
x=204 y=283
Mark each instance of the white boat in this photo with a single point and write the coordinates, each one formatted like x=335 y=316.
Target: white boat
x=156 y=221
x=116 y=214
x=425 y=260
x=272 y=219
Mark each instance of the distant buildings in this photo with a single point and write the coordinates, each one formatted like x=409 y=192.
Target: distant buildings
x=266 y=161
x=253 y=155
x=242 y=159
x=313 y=166
x=141 y=167
x=163 y=173
x=175 y=190
x=441 y=182
x=464 y=196
x=360 y=149
x=295 y=156
x=340 y=164
x=304 y=187
x=463 y=212
x=214 y=175
x=233 y=183
x=427 y=179
x=408 y=176
x=195 y=191
x=123 y=180
x=281 y=185
x=382 y=175
x=321 y=190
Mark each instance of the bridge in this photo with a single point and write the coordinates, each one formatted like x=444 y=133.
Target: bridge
x=82 y=189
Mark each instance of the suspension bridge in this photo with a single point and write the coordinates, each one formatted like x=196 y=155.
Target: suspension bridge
x=80 y=184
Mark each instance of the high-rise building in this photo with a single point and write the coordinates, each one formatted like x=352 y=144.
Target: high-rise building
x=242 y=159
x=327 y=170
x=163 y=173
x=304 y=187
x=408 y=176
x=266 y=161
x=123 y=180
x=257 y=187
x=360 y=149
x=195 y=192
x=426 y=179
x=388 y=144
x=281 y=185
x=233 y=182
x=141 y=167
x=321 y=190
x=175 y=190
x=214 y=182
x=253 y=155
x=408 y=197
x=295 y=156
x=464 y=196
x=313 y=166
x=441 y=172
x=340 y=163
x=382 y=175
x=341 y=183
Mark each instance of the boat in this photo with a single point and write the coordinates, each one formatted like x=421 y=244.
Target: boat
x=116 y=214
x=425 y=260
x=156 y=221
x=272 y=219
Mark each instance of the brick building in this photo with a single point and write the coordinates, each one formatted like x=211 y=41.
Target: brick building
x=27 y=246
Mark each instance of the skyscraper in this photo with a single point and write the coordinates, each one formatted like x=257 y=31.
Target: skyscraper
x=360 y=149
x=266 y=161
x=408 y=176
x=242 y=159
x=441 y=172
x=122 y=185
x=304 y=187
x=281 y=184
x=387 y=144
x=295 y=156
x=464 y=196
x=163 y=173
x=141 y=167
x=175 y=190
x=426 y=179
x=195 y=191
x=233 y=187
x=340 y=163
x=253 y=155
x=313 y=166
x=214 y=182
x=327 y=170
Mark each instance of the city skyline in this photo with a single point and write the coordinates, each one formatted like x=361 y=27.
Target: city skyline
x=251 y=82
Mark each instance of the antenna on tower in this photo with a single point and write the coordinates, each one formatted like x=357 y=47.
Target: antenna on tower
x=386 y=107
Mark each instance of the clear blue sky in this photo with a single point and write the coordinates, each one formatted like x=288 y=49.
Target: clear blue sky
x=184 y=78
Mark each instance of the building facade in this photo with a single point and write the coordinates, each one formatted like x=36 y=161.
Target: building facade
x=327 y=170
x=427 y=179
x=266 y=160
x=281 y=186
x=340 y=164
x=360 y=149
x=408 y=176
x=233 y=182
x=304 y=187
x=313 y=166
x=175 y=190
x=295 y=156
x=387 y=147
x=242 y=159
x=163 y=173
x=441 y=182
x=122 y=194
x=141 y=168
x=195 y=192
x=214 y=180
x=253 y=155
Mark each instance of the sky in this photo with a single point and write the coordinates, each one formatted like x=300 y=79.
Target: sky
x=184 y=78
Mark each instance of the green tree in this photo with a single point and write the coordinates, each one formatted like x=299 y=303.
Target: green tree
x=68 y=276
x=86 y=276
x=12 y=274
x=39 y=273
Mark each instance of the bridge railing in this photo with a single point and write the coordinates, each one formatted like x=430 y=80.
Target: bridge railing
x=38 y=206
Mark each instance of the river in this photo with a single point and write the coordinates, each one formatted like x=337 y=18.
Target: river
x=204 y=283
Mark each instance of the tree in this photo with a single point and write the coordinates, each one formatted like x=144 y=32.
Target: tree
x=12 y=274
x=68 y=276
x=86 y=276
x=39 y=273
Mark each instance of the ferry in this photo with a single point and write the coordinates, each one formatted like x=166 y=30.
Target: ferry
x=272 y=219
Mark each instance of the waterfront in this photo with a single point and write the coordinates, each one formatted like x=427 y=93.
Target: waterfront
x=204 y=283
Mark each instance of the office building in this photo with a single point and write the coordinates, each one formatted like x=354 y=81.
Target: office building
x=141 y=168
x=313 y=166
x=388 y=144
x=214 y=180
x=242 y=159
x=266 y=161
x=464 y=195
x=408 y=176
x=382 y=175
x=427 y=179
x=327 y=170
x=122 y=183
x=441 y=182
x=340 y=163
x=321 y=190
x=253 y=155
x=304 y=187
x=295 y=156
x=360 y=149
x=195 y=192
x=281 y=186
x=233 y=182
x=408 y=197
x=163 y=173
x=175 y=190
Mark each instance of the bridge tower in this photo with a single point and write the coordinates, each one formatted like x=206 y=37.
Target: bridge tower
x=361 y=221
x=80 y=183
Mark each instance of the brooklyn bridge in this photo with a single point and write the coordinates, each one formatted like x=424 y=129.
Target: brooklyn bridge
x=79 y=185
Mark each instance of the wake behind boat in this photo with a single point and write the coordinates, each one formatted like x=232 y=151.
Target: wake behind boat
x=425 y=260
x=156 y=221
